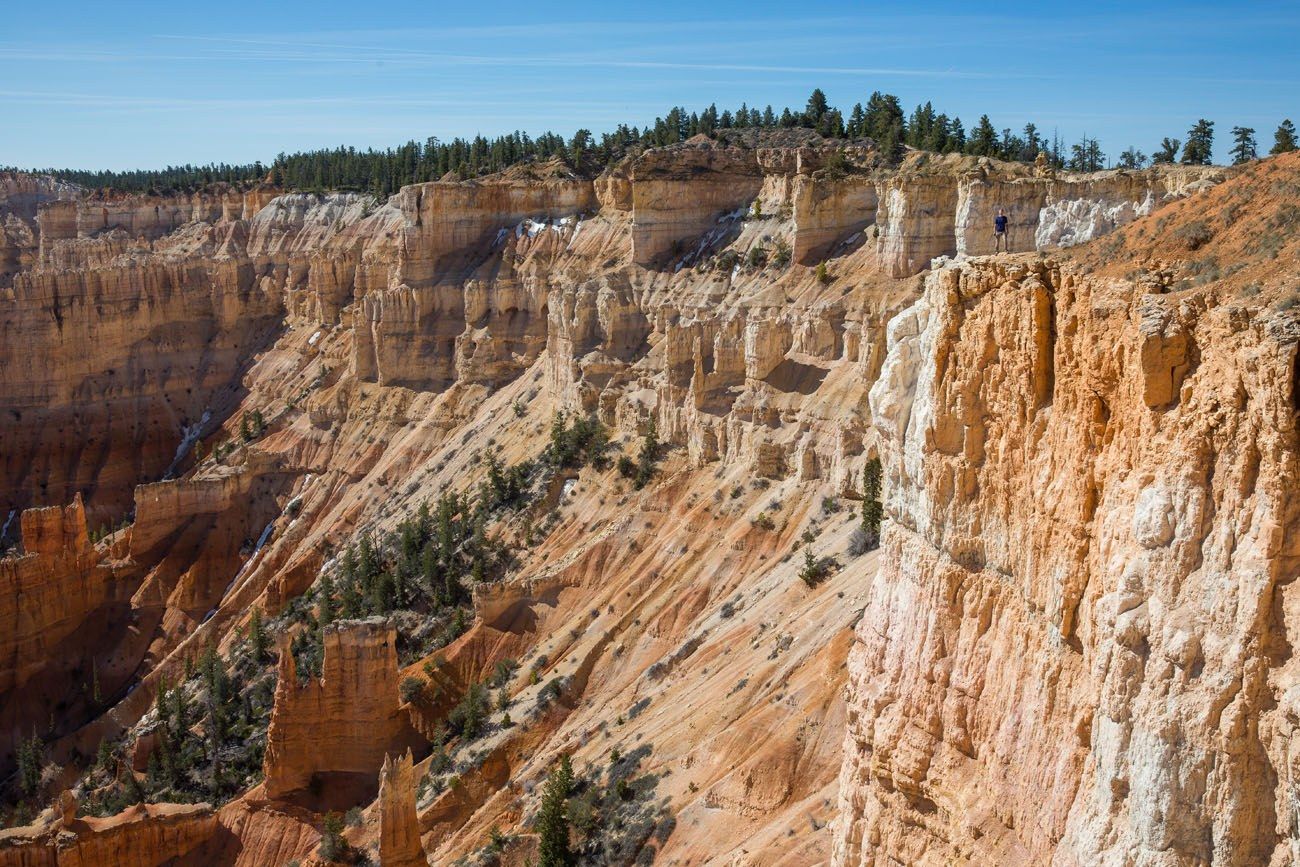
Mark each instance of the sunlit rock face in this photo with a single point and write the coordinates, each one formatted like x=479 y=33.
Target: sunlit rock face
x=1070 y=654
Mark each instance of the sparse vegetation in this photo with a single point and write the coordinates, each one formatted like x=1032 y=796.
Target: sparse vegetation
x=814 y=568
x=781 y=254
x=207 y=737
x=332 y=845
x=573 y=443
x=252 y=426
x=412 y=689
x=649 y=455
x=1194 y=235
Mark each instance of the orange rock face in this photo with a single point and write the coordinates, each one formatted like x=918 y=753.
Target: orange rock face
x=344 y=722
x=399 y=827
x=139 y=837
x=48 y=591
x=1066 y=657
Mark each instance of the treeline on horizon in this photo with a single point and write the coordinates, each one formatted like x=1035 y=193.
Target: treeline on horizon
x=882 y=120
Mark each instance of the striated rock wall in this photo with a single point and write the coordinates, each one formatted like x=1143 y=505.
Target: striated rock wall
x=48 y=591
x=1073 y=653
x=400 y=339
x=105 y=368
x=399 y=826
x=826 y=212
x=22 y=198
x=679 y=195
x=346 y=721
x=141 y=836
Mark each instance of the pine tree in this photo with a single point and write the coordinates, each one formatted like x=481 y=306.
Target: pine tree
x=31 y=756
x=649 y=454
x=872 y=509
x=1167 y=152
x=1244 y=148
x=883 y=121
x=812 y=571
x=1086 y=156
x=553 y=820
x=1132 y=158
x=332 y=845
x=1199 y=149
x=856 y=122
x=1284 y=140
x=1033 y=142
x=983 y=139
x=258 y=643
x=325 y=600
x=815 y=109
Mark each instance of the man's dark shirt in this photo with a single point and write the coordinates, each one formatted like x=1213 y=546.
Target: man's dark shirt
x=1000 y=221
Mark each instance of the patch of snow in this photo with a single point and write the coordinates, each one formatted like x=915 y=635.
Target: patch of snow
x=576 y=229
x=501 y=234
x=311 y=341
x=189 y=436
x=4 y=531
x=261 y=540
x=568 y=487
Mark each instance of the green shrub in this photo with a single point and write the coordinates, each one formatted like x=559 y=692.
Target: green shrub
x=814 y=569
x=1194 y=235
x=412 y=689
x=781 y=254
x=332 y=845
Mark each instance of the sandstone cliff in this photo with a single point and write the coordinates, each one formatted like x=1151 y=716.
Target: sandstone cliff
x=388 y=347
x=1071 y=654
x=343 y=723
x=140 y=837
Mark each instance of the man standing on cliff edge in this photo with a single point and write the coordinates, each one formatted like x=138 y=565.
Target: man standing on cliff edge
x=1000 y=240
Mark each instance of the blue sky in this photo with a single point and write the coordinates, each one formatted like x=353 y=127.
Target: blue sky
x=125 y=85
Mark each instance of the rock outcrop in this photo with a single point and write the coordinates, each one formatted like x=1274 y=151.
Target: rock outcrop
x=141 y=836
x=1069 y=656
x=346 y=721
x=399 y=826
x=47 y=591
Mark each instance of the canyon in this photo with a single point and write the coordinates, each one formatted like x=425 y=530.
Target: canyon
x=1072 y=646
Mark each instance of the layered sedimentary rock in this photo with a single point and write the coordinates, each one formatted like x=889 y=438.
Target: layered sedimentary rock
x=399 y=827
x=47 y=591
x=142 y=836
x=1076 y=536
x=678 y=196
x=22 y=198
x=827 y=212
x=107 y=368
x=343 y=722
